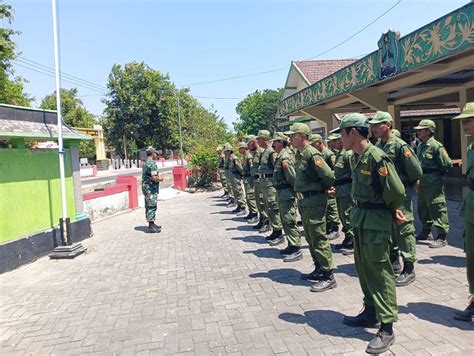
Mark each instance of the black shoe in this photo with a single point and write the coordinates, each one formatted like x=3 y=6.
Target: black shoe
x=348 y=251
x=241 y=212
x=347 y=240
x=326 y=282
x=265 y=228
x=295 y=256
x=439 y=242
x=466 y=314
x=258 y=226
x=424 y=235
x=277 y=240
x=395 y=260
x=313 y=276
x=407 y=276
x=253 y=220
x=154 y=229
x=333 y=235
x=274 y=235
x=287 y=250
x=237 y=209
x=380 y=343
x=248 y=216
x=366 y=319
x=224 y=196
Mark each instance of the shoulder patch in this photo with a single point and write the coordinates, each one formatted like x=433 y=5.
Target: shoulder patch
x=407 y=153
x=318 y=162
x=285 y=164
x=445 y=153
x=383 y=171
x=366 y=172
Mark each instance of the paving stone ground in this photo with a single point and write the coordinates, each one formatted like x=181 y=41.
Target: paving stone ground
x=209 y=285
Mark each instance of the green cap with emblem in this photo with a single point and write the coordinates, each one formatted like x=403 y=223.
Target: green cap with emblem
x=334 y=137
x=279 y=136
x=425 y=124
x=242 y=145
x=381 y=116
x=315 y=138
x=299 y=127
x=466 y=113
x=150 y=150
x=228 y=147
x=264 y=134
x=352 y=120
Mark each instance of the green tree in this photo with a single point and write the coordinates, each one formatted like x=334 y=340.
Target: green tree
x=258 y=111
x=11 y=88
x=74 y=115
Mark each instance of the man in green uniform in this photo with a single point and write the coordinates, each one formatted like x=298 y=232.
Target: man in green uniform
x=235 y=174
x=150 y=188
x=313 y=179
x=467 y=211
x=343 y=186
x=220 y=167
x=228 y=175
x=432 y=208
x=378 y=195
x=284 y=178
x=409 y=170
x=332 y=218
x=265 y=173
x=248 y=182
x=256 y=151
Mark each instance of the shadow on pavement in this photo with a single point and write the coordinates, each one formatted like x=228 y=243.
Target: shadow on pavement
x=348 y=269
x=284 y=276
x=327 y=322
x=219 y=204
x=451 y=261
x=240 y=228
x=222 y=212
x=257 y=239
x=435 y=313
x=265 y=253
x=141 y=228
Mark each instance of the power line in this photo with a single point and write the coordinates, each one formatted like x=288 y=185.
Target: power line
x=212 y=97
x=316 y=56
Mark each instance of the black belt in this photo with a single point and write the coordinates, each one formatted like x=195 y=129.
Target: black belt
x=311 y=193
x=430 y=170
x=266 y=175
x=246 y=175
x=342 y=181
x=369 y=206
x=282 y=186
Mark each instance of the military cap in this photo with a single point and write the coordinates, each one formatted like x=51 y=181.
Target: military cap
x=150 y=150
x=242 y=145
x=299 y=127
x=279 y=136
x=263 y=134
x=334 y=136
x=315 y=138
x=352 y=120
x=228 y=147
x=466 y=113
x=425 y=124
x=397 y=133
x=250 y=138
x=381 y=116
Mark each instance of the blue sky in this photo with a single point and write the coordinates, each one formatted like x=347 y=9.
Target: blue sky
x=196 y=41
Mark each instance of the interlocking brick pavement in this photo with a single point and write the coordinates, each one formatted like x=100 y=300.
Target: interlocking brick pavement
x=209 y=285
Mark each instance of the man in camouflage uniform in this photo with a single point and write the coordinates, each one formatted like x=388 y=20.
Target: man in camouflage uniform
x=312 y=181
x=409 y=170
x=256 y=152
x=228 y=177
x=343 y=186
x=284 y=178
x=150 y=188
x=220 y=167
x=265 y=174
x=248 y=182
x=234 y=166
x=432 y=208
x=378 y=194
x=332 y=217
x=467 y=211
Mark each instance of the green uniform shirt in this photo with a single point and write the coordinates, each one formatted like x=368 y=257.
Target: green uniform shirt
x=342 y=172
x=406 y=163
x=256 y=162
x=312 y=172
x=149 y=170
x=329 y=157
x=375 y=181
x=247 y=164
x=267 y=161
x=284 y=174
x=235 y=166
x=221 y=162
x=467 y=210
x=434 y=160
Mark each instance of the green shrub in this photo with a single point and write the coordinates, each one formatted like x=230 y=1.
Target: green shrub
x=204 y=160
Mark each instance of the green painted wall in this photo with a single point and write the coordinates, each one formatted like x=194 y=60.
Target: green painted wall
x=30 y=192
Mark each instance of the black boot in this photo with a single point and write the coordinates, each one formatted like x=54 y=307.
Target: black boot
x=439 y=242
x=312 y=276
x=382 y=340
x=345 y=242
x=253 y=219
x=424 y=235
x=332 y=231
x=407 y=276
x=153 y=229
x=277 y=238
x=259 y=225
x=294 y=254
x=326 y=282
x=466 y=314
x=241 y=211
x=366 y=319
x=248 y=216
x=395 y=260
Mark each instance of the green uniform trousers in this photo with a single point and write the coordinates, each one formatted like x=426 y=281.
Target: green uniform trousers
x=223 y=179
x=432 y=208
x=313 y=217
x=403 y=236
x=250 y=195
x=236 y=182
x=260 y=203
x=288 y=219
x=228 y=180
x=344 y=206
x=150 y=205
x=332 y=216
x=469 y=247
x=376 y=278
x=271 y=205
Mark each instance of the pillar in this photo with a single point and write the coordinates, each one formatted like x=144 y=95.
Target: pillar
x=394 y=111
